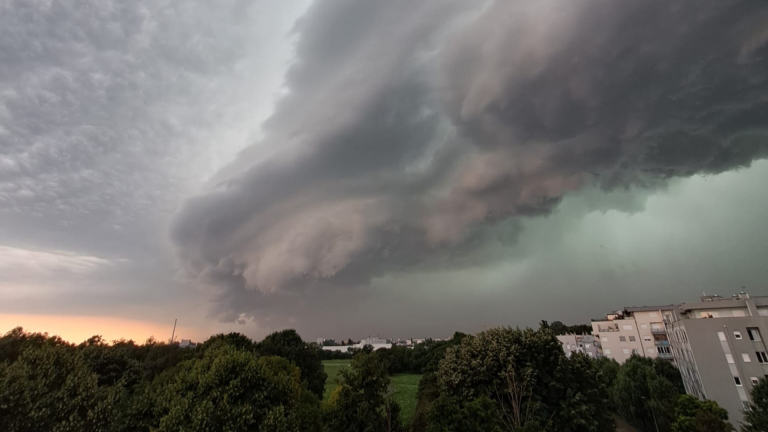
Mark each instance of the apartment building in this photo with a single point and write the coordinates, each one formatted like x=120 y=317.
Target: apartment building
x=718 y=344
x=586 y=344
x=634 y=331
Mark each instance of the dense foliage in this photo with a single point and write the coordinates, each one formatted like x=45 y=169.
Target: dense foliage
x=532 y=384
x=360 y=402
x=756 y=417
x=288 y=344
x=227 y=383
x=694 y=415
x=502 y=379
x=558 y=328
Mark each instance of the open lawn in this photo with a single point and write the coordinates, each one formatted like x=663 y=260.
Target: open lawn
x=332 y=369
x=406 y=389
x=405 y=386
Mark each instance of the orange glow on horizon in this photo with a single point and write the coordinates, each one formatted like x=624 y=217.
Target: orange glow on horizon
x=76 y=329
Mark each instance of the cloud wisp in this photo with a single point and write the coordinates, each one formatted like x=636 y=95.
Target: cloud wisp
x=410 y=130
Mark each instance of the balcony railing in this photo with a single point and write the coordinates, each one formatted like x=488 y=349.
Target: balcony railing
x=607 y=329
x=662 y=342
x=658 y=330
x=665 y=355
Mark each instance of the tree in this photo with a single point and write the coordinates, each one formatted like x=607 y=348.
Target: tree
x=360 y=401
x=644 y=396
x=585 y=405
x=756 y=415
x=558 y=328
x=609 y=370
x=13 y=343
x=448 y=414
x=526 y=375
x=670 y=372
x=51 y=389
x=230 y=389
x=235 y=340
x=694 y=415
x=288 y=344
x=111 y=365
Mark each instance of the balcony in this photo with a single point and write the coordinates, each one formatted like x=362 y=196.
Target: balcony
x=662 y=343
x=658 y=330
x=665 y=355
x=607 y=329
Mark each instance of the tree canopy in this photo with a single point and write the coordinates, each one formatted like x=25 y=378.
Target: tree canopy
x=756 y=415
x=288 y=344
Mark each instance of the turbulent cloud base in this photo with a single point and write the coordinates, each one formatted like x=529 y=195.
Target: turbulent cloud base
x=410 y=133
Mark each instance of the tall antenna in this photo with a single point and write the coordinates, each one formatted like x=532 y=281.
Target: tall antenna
x=173 y=334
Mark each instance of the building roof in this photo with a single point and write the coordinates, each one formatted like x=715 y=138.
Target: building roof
x=649 y=308
x=723 y=303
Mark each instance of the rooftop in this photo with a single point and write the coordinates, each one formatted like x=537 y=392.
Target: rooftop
x=723 y=303
x=649 y=308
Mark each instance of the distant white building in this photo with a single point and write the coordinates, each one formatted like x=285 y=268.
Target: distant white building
x=187 y=343
x=376 y=343
x=585 y=344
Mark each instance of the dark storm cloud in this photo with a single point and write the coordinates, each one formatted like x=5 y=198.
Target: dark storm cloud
x=410 y=130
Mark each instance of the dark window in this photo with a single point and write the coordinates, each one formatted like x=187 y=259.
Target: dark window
x=761 y=357
x=622 y=338
x=737 y=381
x=631 y=338
x=754 y=334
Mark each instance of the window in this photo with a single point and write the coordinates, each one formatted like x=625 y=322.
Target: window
x=626 y=350
x=737 y=335
x=650 y=350
x=737 y=380
x=754 y=334
x=761 y=357
x=622 y=338
x=605 y=339
x=626 y=327
x=746 y=358
x=588 y=346
x=738 y=313
x=632 y=339
x=729 y=358
x=607 y=351
x=635 y=352
x=653 y=315
x=647 y=338
x=721 y=335
x=643 y=326
x=754 y=380
x=762 y=312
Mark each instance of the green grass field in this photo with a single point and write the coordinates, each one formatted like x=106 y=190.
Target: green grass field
x=406 y=389
x=332 y=369
x=406 y=386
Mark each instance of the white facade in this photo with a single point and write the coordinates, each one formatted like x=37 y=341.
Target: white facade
x=585 y=344
x=634 y=331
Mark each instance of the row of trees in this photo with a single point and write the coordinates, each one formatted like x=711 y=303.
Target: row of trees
x=558 y=328
x=650 y=395
x=499 y=380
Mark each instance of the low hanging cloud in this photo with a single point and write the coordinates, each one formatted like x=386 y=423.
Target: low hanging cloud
x=410 y=129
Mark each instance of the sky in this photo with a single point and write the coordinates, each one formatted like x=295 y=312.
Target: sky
x=358 y=167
